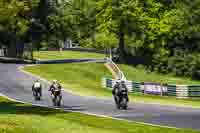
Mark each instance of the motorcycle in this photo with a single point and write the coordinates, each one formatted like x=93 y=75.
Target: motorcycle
x=122 y=101
x=37 y=93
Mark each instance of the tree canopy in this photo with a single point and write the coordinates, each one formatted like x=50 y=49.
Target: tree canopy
x=163 y=35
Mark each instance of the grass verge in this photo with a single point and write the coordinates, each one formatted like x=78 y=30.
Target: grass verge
x=48 y=55
x=85 y=79
x=24 y=118
x=141 y=75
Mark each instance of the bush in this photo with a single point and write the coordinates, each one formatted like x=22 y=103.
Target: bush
x=180 y=65
x=105 y=40
x=86 y=43
x=140 y=67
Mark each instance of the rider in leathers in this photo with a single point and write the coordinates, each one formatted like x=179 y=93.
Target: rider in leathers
x=118 y=90
x=55 y=87
x=37 y=87
x=124 y=89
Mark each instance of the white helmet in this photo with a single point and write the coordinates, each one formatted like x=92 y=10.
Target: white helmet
x=54 y=81
x=118 y=81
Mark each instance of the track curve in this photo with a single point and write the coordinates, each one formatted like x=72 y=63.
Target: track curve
x=17 y=85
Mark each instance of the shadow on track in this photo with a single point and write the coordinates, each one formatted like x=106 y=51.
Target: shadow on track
x=20 y=108
x=73 y=108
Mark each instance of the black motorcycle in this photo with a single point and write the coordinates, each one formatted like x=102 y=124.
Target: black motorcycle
x=37 y=93
x=122 y=101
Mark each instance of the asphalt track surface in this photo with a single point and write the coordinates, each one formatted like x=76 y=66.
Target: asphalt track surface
x=17 y=85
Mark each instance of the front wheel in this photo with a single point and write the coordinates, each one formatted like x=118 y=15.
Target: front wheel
x=37 y=93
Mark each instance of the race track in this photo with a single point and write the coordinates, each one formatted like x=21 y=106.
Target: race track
x=17 y=85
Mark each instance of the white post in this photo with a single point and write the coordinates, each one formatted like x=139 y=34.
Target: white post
x=1 y=52
x=110 y=54
x=70 y=43
x=104 y=82
x=181 y=91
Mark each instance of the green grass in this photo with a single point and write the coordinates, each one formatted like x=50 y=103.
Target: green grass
x=24 y=118
x=85 y=79
x=46 y=55
x=140 y=75
x=79 y=78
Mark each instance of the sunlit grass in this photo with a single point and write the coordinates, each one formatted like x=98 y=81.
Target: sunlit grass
x=23 y=118
x=48 y=55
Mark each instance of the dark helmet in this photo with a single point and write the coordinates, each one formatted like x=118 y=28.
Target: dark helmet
x=118 y=81
x=123 y=82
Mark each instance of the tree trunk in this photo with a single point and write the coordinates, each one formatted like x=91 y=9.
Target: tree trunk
x=12 y=51
x=20 y=49
x=121 y=47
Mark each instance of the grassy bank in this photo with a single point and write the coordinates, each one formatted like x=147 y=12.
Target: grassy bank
x=23 y=118
x=48 y=55
x=80 y=78
x=85 y=79
x=141 y=75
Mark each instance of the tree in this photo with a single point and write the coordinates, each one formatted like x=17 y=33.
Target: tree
x=120 y=17
x=14 y=24
x=84 y=18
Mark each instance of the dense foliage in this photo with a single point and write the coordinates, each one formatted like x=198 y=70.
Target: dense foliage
x=163 y=35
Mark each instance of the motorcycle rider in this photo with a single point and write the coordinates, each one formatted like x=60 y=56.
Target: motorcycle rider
x=119 y=91
x=37 y=88
x=55 y=90
x=55 y=86
x=124 y=90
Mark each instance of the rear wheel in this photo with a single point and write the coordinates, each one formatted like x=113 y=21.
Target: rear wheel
x=36 y=94
x=116 y=98
x=118 y=106
x=38 y=97
x=124 y=103
x=125 y=107
x=57 y=101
